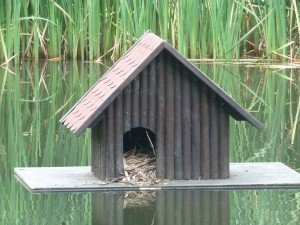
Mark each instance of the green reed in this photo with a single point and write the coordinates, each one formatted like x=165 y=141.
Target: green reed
x=87 y=30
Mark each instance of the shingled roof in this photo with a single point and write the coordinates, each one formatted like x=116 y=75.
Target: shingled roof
x=115 y=80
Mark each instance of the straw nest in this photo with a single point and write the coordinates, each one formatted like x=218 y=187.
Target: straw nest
x=139 y=167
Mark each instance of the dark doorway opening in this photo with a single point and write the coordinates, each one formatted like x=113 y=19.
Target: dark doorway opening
x=139 y=156
x=140 y=139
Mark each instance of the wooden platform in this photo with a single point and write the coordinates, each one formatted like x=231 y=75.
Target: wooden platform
x=242 y=176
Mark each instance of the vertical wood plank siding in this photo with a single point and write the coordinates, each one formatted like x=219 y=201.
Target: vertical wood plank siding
x=178 y=125
x=214 y=138
x=224 y=143
x=151 y=95
x=144 y=98
x=135 y=108
x=96 y=151
x=195 y=116
x=110 y=141
x=127 y=108
x=190 y=122
x=102 y=126
x=160 y=119
x=186 y=126
x=169 y=120
x=118 y=135
x=205 y=151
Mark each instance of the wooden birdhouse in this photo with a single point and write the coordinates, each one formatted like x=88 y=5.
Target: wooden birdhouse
x=154 y=88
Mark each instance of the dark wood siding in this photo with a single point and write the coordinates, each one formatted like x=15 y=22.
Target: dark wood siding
x=190 y=122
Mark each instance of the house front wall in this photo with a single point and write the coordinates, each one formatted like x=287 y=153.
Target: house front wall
x=190 y=122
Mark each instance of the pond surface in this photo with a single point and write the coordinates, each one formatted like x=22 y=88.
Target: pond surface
x=34 y=97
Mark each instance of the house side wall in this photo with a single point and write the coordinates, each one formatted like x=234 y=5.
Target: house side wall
x=190 y=122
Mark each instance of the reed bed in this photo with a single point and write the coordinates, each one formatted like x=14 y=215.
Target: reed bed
x=89 y=30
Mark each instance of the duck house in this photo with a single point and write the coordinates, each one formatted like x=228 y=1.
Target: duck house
x=153 y=89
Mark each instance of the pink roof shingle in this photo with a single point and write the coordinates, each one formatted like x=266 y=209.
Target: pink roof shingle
x=93 y=102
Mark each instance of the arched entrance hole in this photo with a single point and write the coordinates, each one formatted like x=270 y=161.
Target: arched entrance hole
x=139 y=139
x=139 y=155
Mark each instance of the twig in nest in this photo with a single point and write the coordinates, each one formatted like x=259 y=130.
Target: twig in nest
x=151 y=144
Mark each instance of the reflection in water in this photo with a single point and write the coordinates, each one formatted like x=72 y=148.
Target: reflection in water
x=166 y=207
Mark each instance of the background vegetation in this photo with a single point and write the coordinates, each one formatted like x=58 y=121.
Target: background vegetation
x=87 y=30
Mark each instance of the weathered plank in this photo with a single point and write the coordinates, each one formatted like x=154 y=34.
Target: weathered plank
x=214 y=137
x=135 y=106
x=160 y=122
x=195 y=120
x=95 y=155
x=102 y=127
x=223 y=143
x=186 y=126
x=109 y=142
x=205 y=150
x=178 y=164
x=144 y=98
x=127 y=108
x=118 y=135
x=151 y=95
x=169 y=119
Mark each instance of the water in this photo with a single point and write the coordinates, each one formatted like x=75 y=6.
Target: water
x=34 y=97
